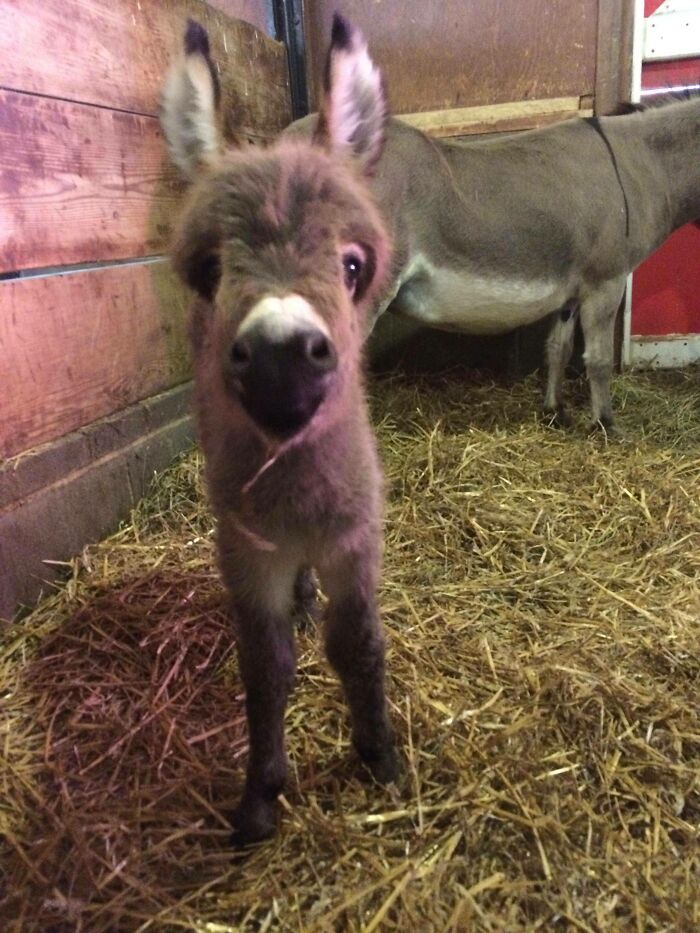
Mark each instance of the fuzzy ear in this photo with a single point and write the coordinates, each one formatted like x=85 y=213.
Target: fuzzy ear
x=189 y=105
x=354 y=111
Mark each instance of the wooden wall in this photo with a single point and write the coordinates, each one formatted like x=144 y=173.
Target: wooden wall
x=463 y=66
x=94 y=367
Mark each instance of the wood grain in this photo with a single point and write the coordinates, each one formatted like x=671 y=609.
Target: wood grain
x=613 y=79
x=115 y=54
x=459 y=53
x=497 y=118
x=256 y=12
x=78 y=346
x=80 y=184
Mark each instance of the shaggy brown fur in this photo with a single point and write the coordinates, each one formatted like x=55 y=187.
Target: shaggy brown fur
x=294 y=220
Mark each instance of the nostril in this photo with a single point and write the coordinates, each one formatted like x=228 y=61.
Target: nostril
x=320 y=351
x=240 y=355
x=318 y=347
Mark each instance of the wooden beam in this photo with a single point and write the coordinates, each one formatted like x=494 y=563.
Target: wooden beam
x=496 y=118
x=115 y=54
x=78 y=346
x=458 y=53
x=613 y=75
x=86 y=500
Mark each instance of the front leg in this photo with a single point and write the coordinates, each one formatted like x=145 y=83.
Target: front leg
x=262 y=593
x=267 y=664
x=355 y=648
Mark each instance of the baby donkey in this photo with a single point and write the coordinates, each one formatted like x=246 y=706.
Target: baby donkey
x=287 y=252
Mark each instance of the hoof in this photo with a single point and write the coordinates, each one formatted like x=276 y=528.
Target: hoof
x=383 y=764
x=252 y=824
x=557 y=417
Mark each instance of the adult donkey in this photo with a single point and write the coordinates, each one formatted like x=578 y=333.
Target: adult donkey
x=495 y=233
x=288 y=254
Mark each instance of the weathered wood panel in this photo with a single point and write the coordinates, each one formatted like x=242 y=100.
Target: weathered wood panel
x=458 y=53
x=114 y=54
x=498 y=118
x=80 y=184
x=256 y=12
x=92 y=493
x=78 y=346
x=28 y=472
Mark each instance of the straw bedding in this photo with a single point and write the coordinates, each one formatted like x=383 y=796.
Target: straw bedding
x=541 y=595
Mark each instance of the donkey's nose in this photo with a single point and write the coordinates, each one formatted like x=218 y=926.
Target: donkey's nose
x=311 y=347
x=282 y=379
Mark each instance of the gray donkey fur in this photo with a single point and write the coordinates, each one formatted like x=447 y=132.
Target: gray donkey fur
x=288 y=254
x=491 y=234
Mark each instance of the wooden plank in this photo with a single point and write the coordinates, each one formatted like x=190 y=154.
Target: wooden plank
x=613 y=76
x=256 y=12
x=115 y=54
x=77 y=346
x=80 y=184
x=87 y=503
x=458 y=53
x=28 y=472
x=496 y=118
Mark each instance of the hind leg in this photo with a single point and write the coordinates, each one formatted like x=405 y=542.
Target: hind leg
x=598 y=311
x=306 y=607
x=560 y=343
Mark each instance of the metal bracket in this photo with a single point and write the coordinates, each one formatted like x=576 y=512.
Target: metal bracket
x=289 y=28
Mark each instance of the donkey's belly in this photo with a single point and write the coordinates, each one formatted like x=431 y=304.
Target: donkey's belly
x=475 y=304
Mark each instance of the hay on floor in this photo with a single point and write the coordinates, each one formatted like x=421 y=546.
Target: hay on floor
x=541 y=595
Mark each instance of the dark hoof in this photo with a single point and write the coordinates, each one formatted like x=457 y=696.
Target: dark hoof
x=252 y=824
x=557 y=417
x=383 y=764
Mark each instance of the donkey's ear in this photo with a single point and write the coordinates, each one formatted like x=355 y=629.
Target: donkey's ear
x=354 y=111
x=189 y=105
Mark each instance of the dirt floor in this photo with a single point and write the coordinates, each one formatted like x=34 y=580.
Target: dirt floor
x=541 y=596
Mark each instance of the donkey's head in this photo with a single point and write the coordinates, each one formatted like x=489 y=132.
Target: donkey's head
x=285 y=244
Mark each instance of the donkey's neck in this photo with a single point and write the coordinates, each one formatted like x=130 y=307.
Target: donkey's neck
x=673 y=136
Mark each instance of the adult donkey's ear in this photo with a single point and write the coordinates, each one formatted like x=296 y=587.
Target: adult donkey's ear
x=354 y=111
x=190 y=103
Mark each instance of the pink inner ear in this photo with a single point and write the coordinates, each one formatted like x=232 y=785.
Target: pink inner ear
x=355 y=105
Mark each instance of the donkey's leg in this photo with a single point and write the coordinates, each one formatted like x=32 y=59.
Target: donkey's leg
x=306 y=605
x=266 y=655
x=598 y=310
x=355 y=648
x=560 y=343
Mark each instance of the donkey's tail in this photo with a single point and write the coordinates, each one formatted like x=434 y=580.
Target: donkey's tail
x=190 y=104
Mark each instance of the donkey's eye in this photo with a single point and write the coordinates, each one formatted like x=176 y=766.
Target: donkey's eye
x=352 y=269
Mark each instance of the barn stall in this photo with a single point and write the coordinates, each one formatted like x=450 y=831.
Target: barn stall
x=540 y=592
